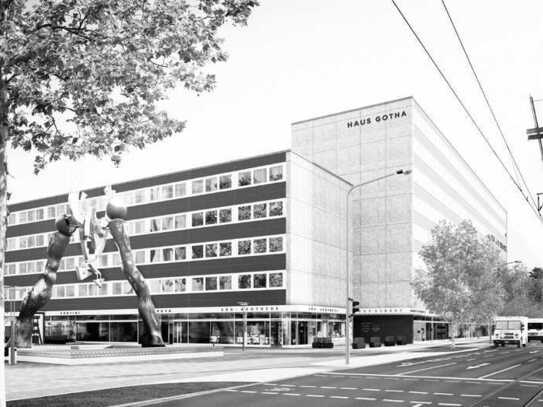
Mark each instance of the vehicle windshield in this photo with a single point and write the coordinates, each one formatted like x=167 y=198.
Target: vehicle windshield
x=512 y=325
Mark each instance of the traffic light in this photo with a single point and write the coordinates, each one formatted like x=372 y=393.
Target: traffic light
x=356 y=307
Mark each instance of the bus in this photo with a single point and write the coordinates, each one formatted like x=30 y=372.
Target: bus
x=535 y=329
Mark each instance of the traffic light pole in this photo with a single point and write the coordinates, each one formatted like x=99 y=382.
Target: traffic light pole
x=347 y=252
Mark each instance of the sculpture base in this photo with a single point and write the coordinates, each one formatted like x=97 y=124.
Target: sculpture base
x=90 y=354
x=151 y=341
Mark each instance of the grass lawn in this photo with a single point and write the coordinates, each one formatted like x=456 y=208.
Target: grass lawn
x=108 y=397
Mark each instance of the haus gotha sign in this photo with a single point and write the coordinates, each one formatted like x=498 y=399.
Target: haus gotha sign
x=378 y=118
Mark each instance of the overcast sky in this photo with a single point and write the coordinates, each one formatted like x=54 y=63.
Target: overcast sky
x=302 y=58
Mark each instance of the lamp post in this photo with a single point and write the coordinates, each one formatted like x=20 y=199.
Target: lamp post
x=348 y=272
x=244 y=304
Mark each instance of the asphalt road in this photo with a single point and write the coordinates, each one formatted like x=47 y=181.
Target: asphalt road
x=494 y=377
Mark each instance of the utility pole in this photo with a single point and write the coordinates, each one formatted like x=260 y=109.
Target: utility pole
x=535 y=133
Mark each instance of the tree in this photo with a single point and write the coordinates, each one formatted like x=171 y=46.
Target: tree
x=84 y=77
x=536 y=285
x=459 y=282
x=522 y=291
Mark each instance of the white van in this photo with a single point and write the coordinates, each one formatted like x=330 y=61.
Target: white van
x=510 y=330
x=535 y=329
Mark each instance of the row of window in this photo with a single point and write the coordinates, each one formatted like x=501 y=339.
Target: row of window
x=233 y=180
x=171 y=285
x=241 y=213
x=190 y=252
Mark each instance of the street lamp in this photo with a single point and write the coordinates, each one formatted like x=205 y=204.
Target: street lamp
x=348 y=299
x=244 y=304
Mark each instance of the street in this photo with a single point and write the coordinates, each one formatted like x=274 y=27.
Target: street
x=486 y=377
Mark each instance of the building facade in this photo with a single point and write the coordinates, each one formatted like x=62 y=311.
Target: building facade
x=259 y=238
x=392 y=218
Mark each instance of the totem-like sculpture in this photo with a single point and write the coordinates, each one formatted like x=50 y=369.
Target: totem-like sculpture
x=93 y=234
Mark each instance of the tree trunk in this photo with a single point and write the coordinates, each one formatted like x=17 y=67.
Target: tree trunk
x=3 y=222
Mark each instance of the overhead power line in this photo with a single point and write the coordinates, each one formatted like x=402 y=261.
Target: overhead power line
x=466 y=110
x=488 y=104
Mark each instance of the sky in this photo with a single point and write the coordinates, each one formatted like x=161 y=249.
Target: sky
x=299 y=59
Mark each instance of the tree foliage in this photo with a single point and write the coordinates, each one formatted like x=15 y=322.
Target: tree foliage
x=84 y=77
x=459 y=282
x=522 y=291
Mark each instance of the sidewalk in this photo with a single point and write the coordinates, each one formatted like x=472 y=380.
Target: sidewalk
x=32 y=380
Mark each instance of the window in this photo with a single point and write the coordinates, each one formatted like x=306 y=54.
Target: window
x=155 y=225
x=211 y=217
x=155 y=255
x=259 y=210
x=167 y=223
x=244 y=212
x=154 y=285
x=103 y=290
x=82 y=290
x=154 y=194
x=11 y=269
x=51 y=212
x=12 y=219
x=211 y=283
x=139 y=227
x=92 y=290
x=180 y=189
x=197 y=251
x=22 y=217
x=180 y=253
x=211 y=250
x=198 y=186
x=70 y=263
x=60 y=291
x=244 y=281
x=167 y=191
x=225 y=282
x=211 y=184
x=276 y=280
x=70 y=291
x=140 y=256
x=39 y=240
x=244 y=247
x=259 y=280
x=39 y=214
x=276 y=208
x=128 y=198
x=226 y=249
x=260 y=175
x=127 y=288
x=167 y=286
x=259 y=245
x=180 y=285
x=197 y=284
x=225 y=181
x=31 y=241
x=139 y=196
x=276 y=244
x=197 y=219
x=180 y=221
x=104 y=260
x=225 y=215
x=276 y=173
x=167 y=254
x=117 y=288
x=244 y=178
x=30 y=216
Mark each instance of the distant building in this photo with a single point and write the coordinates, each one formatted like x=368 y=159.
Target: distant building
x=392 y=218
x=270 y=231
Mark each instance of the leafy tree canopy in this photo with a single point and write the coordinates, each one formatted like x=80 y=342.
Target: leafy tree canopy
x=84 y=76
x=459 y=282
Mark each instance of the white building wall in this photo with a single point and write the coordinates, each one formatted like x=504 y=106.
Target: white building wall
x=316 y=234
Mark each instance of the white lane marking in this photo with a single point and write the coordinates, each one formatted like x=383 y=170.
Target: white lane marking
x=366 y=398
x=348 y=388
x=366 y=389
x=393 y=401
x=420 y=403
x=307 y=386
x=499 y=371
x=467 y=360
x=474 y=382
x=449 y=404
x=339 y=397
x=509 y=398
x=477 y=366
x=529 y=385
x=269 y=392
x=232 y=390
x=418 y=392
x=287 y=385
x=531 y=360
x=471 y=395
x=328 y=387
x=534 y=351
x=249 y=391
x=393 y=391
x=314 y=395
x=291 y=394
x=444 y=394
x=427 y=368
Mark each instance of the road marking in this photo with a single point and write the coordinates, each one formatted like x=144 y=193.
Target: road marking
x=366 y=398
x=449 y=404
x=531 y=360
x=427 y=368
x=268 y=392
x=534 y=351
x=249 y=391
x=477 y=366
x=471 y=395
x=474 y=382
x=420 y=403
x=393 y=391
x=499 y=371
x=328 y=387
x=393 y=401
x=307 y=386
x=418 y=392
x=348 y=388
x=314 y=395
x=452 y=381
x=371 y=389
x=444 y=394
x=339 y=397
x=291 y=394
x=529 y=385
x=509 y=398
x=467 y=360
x=287 y=385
